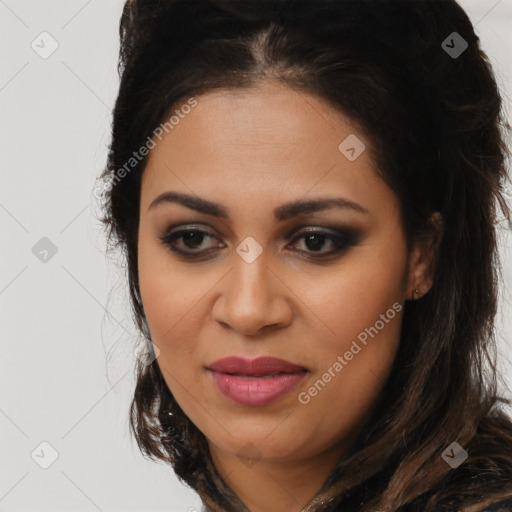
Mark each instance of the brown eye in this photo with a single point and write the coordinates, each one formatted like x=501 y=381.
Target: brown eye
x=189 y=239
x=190 y=242
x=315 y=241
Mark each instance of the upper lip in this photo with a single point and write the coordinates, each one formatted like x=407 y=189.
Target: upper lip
x=259 y=366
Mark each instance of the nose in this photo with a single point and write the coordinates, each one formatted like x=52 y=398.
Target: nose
x=253 y=298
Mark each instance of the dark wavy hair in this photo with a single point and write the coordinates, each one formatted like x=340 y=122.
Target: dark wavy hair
x=437 y=129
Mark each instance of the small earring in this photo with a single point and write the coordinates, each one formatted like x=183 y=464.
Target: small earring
x=417 y=292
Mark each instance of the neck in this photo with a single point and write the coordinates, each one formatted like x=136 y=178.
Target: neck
x=286 y=485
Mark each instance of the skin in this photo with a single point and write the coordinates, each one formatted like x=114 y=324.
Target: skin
x=252 y=150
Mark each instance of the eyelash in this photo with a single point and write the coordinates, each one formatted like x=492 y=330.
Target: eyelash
x=342 y=242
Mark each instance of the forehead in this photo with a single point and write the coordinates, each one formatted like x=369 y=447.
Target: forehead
x=268 y=142
x=268 y=117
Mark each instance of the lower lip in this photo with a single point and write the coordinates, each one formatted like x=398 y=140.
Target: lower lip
x=256 y=391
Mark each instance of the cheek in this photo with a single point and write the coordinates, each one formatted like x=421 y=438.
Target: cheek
x=175 y=298
x=353 y=362
x=172 y=307
x=361 y=323
x=173 y=314
x=360 y=309
x=168 y=296
x=352 y=297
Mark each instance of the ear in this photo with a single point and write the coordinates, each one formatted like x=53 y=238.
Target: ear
x=423 y=257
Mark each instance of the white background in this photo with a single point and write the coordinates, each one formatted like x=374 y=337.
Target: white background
x=65 y=363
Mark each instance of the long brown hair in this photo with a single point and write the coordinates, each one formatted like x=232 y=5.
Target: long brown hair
x=435 y=120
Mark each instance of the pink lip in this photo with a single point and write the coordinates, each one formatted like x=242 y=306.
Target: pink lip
x=249 y=386
x=259 y=366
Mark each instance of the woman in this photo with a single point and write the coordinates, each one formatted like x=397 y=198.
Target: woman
x=306 y=194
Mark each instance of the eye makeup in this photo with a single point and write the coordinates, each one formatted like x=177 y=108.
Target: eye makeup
x=188 y=242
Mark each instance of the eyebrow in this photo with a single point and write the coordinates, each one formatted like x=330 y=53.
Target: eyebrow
x=283 y=212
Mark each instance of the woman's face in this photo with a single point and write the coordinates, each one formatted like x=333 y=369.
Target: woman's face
x=321 y=288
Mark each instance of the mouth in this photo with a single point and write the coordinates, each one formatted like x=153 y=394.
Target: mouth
x=256 y=382
x=264 y=366
x=262 y=376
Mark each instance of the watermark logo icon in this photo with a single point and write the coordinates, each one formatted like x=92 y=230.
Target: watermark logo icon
x=250 y=454
x=249 y=249
x=44 y=250
x=454 y=45
x=352 y=147
x=144 y=354
x=44 y=45
x=44 y=455
x=454 y=455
